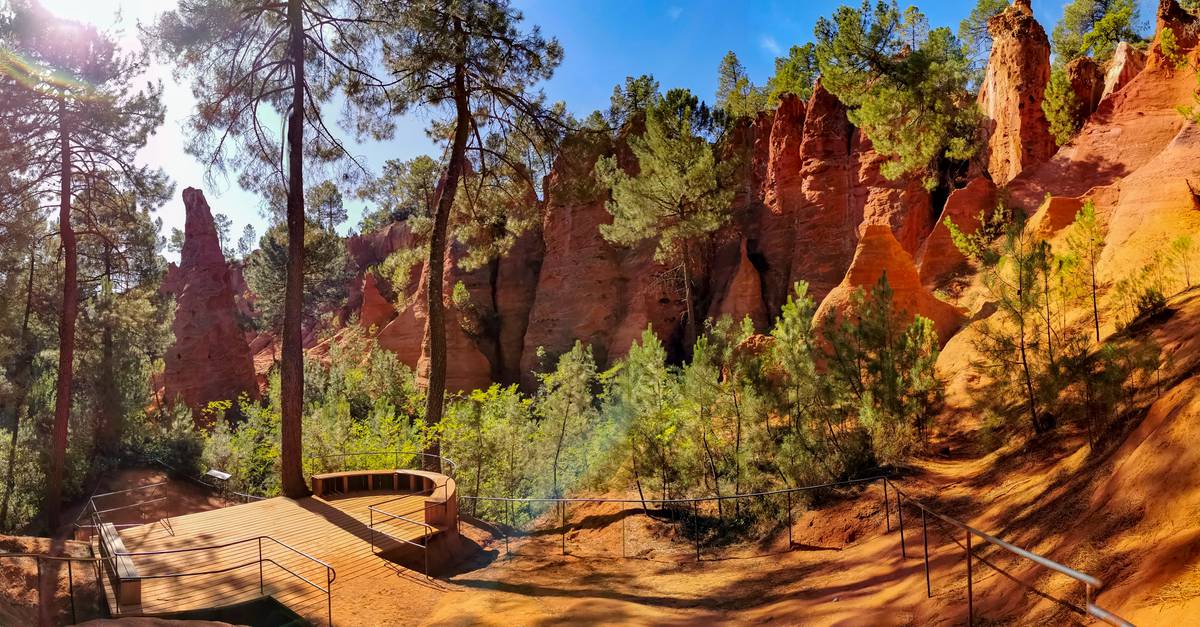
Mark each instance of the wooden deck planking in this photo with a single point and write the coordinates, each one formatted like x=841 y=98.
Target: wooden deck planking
x=335 y=531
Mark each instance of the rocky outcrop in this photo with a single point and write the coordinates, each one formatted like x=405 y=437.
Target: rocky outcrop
x=1087 y=83
x=825 y=218
x=1010 y=97
x=210 y=359
x=743 y=296
x=938 y=257
x=783 y=195
x=376 y=309
x=879 y=254
x=902 y=205
x=1125 y=64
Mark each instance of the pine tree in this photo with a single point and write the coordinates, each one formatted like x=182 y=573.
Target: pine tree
x=680 y=195
x=403 y=191
x=326 y=274
x=1094 y=27
x=794 y=74
x=250 y=64
x=74 y=102
x=1062 y=107
x=736 y=95
x=325 y=207
x=1085 y=241
x=975 y=37
x=912 y=102
x=469 y=60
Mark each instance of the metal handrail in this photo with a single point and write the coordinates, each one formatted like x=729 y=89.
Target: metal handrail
x=426 y=529
x=1092 y=585
x=39 y=557
x=330 y=572
x=447 y=460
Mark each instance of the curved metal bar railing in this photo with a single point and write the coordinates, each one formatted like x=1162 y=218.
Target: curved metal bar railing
x=427 y=530
x=330 y=573
x=395 y=456
x=1092 y=585
x=41 y=557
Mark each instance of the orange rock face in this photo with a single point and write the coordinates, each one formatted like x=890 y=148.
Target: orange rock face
x=1087 y=82
x=938 y=257
x=210 y=359
x=1010 y=97
x=743 y=296
x=825 y=217
x=879 y=254
x=1127 y=61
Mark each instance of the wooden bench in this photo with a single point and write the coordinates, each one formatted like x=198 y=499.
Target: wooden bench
x=124 y=576
x=370 y=481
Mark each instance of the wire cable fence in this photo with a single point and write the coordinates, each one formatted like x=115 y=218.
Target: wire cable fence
x=709 y=526
x=707 y=522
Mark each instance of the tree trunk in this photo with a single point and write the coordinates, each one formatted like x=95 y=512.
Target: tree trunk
x=292 y=369
x=1037 y=425
x=688 y=296
x=435 y=329
x=1095 y=304
x=108 y=423
x=21 y=379
x=66 y=329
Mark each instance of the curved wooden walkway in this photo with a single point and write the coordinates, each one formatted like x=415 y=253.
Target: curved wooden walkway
x=335 y=531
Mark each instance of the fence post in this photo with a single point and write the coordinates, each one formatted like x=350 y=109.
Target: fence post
x=50 y=606
x=791 y=543
x=508 y=524
x=970 y=600
x=925 y=538
x=71 y=589
x=887 y=512
x=563 y=505
x=696 y=526
x=261 y=584
x=623 y=554
x=900 y=515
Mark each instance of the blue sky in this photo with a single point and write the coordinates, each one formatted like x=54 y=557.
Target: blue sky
x=680 y=43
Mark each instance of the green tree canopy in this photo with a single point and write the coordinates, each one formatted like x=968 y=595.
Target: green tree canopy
x=1094 y=27
x=324 y=206
x=906 y=90
x=326 y=273
x=680 y=194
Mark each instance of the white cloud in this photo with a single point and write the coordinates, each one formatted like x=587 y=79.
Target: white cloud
x=769 y=44
x=674 y=13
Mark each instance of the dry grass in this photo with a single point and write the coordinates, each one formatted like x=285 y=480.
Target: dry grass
x=1186 y=588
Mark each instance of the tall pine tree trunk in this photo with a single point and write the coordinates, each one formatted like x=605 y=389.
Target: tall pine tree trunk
x=109 y=422
x=292 y=368
x=66 y=328
x=435 y=330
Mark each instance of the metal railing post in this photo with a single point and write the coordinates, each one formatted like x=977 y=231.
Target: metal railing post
x=623 y=554
x=925 y=538
x=696 y=526
x=900 y=515
x=887 y=511
x=329 y=595
x=38 y=561
x=71 y=589
x=970 y=600
x=262 y=589
x=563 y=506
x=791 y=542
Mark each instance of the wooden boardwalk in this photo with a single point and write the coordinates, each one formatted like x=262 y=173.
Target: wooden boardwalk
x=335 y=531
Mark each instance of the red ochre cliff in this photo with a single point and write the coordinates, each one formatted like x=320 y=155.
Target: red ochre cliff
x=814 y=208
